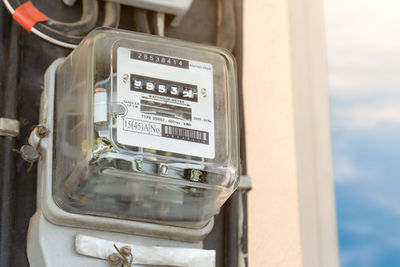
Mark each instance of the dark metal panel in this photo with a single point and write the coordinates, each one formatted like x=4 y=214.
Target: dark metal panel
x=37 y=56
x=7 y=157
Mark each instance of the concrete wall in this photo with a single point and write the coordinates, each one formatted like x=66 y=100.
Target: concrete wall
x=292 y=219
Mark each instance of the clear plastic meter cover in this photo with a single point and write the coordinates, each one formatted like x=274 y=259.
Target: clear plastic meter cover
x=146 y=129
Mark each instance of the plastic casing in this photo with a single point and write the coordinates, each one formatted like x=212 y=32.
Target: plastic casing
x=111 y=183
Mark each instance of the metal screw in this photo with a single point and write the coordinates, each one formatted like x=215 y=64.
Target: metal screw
x=193 y=190
x=126 y=251
x=41 y=131
x=124 y=254
x=195 y=175
x=163 y=169
x=29 y=154
x=125 y=77
x=118 y=109
x=204 y=92
x=139 y=164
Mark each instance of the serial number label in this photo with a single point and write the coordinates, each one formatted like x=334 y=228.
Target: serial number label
x=164 y=60
x=164 y=87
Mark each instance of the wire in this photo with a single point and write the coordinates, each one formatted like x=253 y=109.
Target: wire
x=112 y=12
x=69 y=35
x=90 y=13
x=159 y=23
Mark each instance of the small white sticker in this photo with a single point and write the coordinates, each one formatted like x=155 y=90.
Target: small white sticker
x=169 y=103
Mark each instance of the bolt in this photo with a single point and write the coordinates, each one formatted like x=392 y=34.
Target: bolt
x=41 y=131
x=139 y=164
x=195 y=175
x=193 y=190
x=126 y=251
x=204 y=92
x=114 y=259
x=163 y=169
x=124 y=254
x=29 y=153
x=118 y=109
x=126 y=77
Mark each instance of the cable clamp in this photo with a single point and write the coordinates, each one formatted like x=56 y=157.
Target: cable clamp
x=9 y=127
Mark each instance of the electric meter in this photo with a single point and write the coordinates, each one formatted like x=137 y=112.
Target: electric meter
x=145 y=129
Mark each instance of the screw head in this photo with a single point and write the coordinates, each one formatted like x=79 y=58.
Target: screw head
x=139 y=164
x=204 y=92
x=126 y=250
x=195 y=175
x=114 y=259
x=125 y=77
x=41 y=131
x=163 y=169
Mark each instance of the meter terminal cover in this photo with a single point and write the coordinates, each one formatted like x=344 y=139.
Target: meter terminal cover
x=144 y=129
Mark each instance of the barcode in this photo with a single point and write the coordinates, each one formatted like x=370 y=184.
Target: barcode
x=185 y=134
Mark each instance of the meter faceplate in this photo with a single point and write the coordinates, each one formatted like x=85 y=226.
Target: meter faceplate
x=168 y=103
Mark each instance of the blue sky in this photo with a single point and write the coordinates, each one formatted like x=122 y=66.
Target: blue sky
x=363 y=41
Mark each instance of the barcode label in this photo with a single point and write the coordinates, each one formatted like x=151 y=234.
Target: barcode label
x=185 y=134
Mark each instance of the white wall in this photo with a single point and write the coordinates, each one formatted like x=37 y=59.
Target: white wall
x=292 y=219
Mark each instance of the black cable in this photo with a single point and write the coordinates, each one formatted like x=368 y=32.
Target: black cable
x=112 y=13
x=7 y=157
x=141 y=20
x=2 y=18
x=90 y=13
x=45 y=31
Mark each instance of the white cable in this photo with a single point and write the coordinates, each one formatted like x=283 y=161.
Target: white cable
x=160 y=21
x=69 y=2
x=8 y=6
x=52 y=40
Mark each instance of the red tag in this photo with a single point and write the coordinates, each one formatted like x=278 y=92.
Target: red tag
x=27 y=15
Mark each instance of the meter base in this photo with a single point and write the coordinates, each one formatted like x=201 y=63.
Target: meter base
x=56 y=215
x=51 y=245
